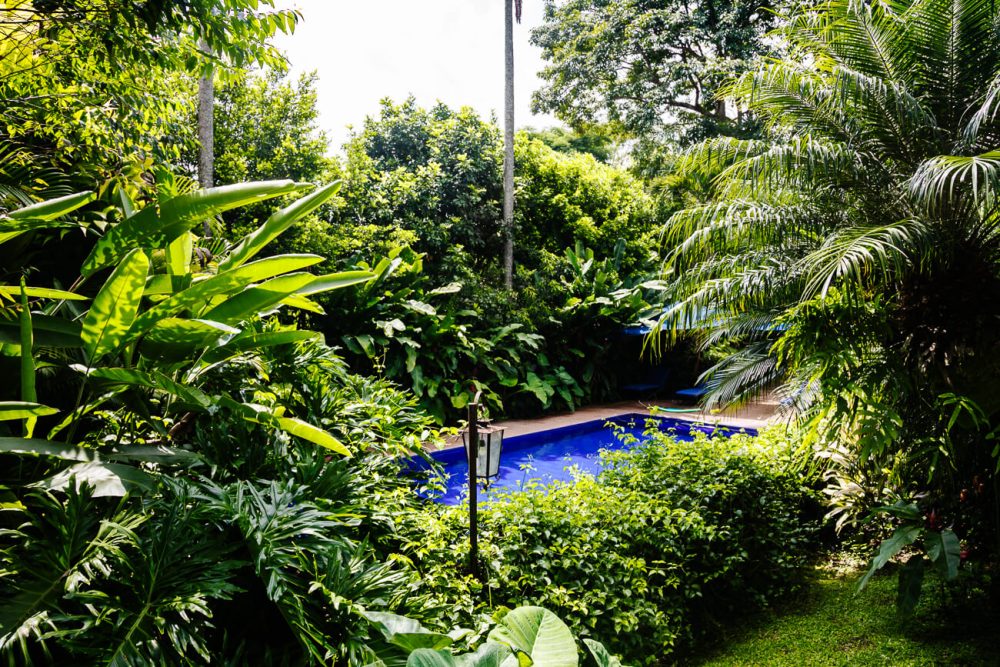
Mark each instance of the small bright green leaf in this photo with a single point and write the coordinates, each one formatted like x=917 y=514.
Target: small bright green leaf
x=315 y=435
x=115 y=306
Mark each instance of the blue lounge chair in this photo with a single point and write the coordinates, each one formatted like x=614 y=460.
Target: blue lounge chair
x=654 y=380
x=692 y=393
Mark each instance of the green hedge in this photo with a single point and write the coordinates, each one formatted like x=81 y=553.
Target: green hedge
x=670 y=540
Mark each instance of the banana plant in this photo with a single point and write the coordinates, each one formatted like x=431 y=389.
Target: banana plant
x=167 y=312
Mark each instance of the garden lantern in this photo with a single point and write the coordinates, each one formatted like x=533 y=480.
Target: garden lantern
x=488 y=451
x=482 y=451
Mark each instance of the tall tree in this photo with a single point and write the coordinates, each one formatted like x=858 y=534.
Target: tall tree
x=648 y=65
x=512 y=10
x=206 y=129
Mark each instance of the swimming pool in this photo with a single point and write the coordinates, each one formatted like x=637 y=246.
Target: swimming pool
x=547 y=456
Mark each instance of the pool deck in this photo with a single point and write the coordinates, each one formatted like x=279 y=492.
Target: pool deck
x=755 y=415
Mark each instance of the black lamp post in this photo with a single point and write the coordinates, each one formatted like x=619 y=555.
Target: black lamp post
x=482 y=450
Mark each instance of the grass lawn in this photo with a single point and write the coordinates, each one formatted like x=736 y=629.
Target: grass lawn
x=830 y=624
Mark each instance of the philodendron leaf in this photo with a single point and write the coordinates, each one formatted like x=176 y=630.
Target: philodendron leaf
x=406 y=633
x=281 y=220
x=487 y=655
x=425 y=657
x=11 y=410
x=114 y=308
x=945 y=550
x=540 y=634
x=156 y=227
x=903 y=537
x=600 y=654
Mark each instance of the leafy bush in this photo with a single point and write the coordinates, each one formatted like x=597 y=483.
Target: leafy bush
x=672 y=538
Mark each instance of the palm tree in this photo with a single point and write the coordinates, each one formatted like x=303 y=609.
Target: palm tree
x=512 y=10
x=854 y=259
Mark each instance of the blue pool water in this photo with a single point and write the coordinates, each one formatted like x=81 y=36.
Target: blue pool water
x=547 y=456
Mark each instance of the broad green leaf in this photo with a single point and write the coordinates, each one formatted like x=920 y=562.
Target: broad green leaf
x=258 y=299
x=41 y=293
x=151 y=454
x=487 y=655
x=302 y=303
x=53 y=208
x=425 y=657
x=108 y=479
x=36 y=447
x=155 y=227
x=332 y=281
x=11 y=410
x=903 y=537
x=48 y=331
x=189 y=333
x=945 y=550
x=253 y=341
x=114 y=308
x=600 y=654
x=539 y=633
x=150 y=380
x=307 y=431
x=195 y=297
x=406 y=633
x=281 y=220
x=178 y=257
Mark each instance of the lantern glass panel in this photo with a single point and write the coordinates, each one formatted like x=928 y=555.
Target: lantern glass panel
x=488 y=452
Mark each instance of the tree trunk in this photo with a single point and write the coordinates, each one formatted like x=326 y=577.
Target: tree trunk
x=206 y=132
x=508 y=145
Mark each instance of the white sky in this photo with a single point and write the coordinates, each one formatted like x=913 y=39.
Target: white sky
x=447 y=50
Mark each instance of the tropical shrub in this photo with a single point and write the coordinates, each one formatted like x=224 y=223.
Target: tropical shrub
x=671 y=539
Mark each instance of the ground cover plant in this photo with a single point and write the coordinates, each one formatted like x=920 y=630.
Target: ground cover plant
x=671 y=540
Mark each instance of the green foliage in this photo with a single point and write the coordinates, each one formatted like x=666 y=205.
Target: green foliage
x=100 y=89
x=852 y=256
x=644 y=66
x=672 y=538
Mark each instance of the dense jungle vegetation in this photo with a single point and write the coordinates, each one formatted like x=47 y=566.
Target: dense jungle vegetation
x=212 y=392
